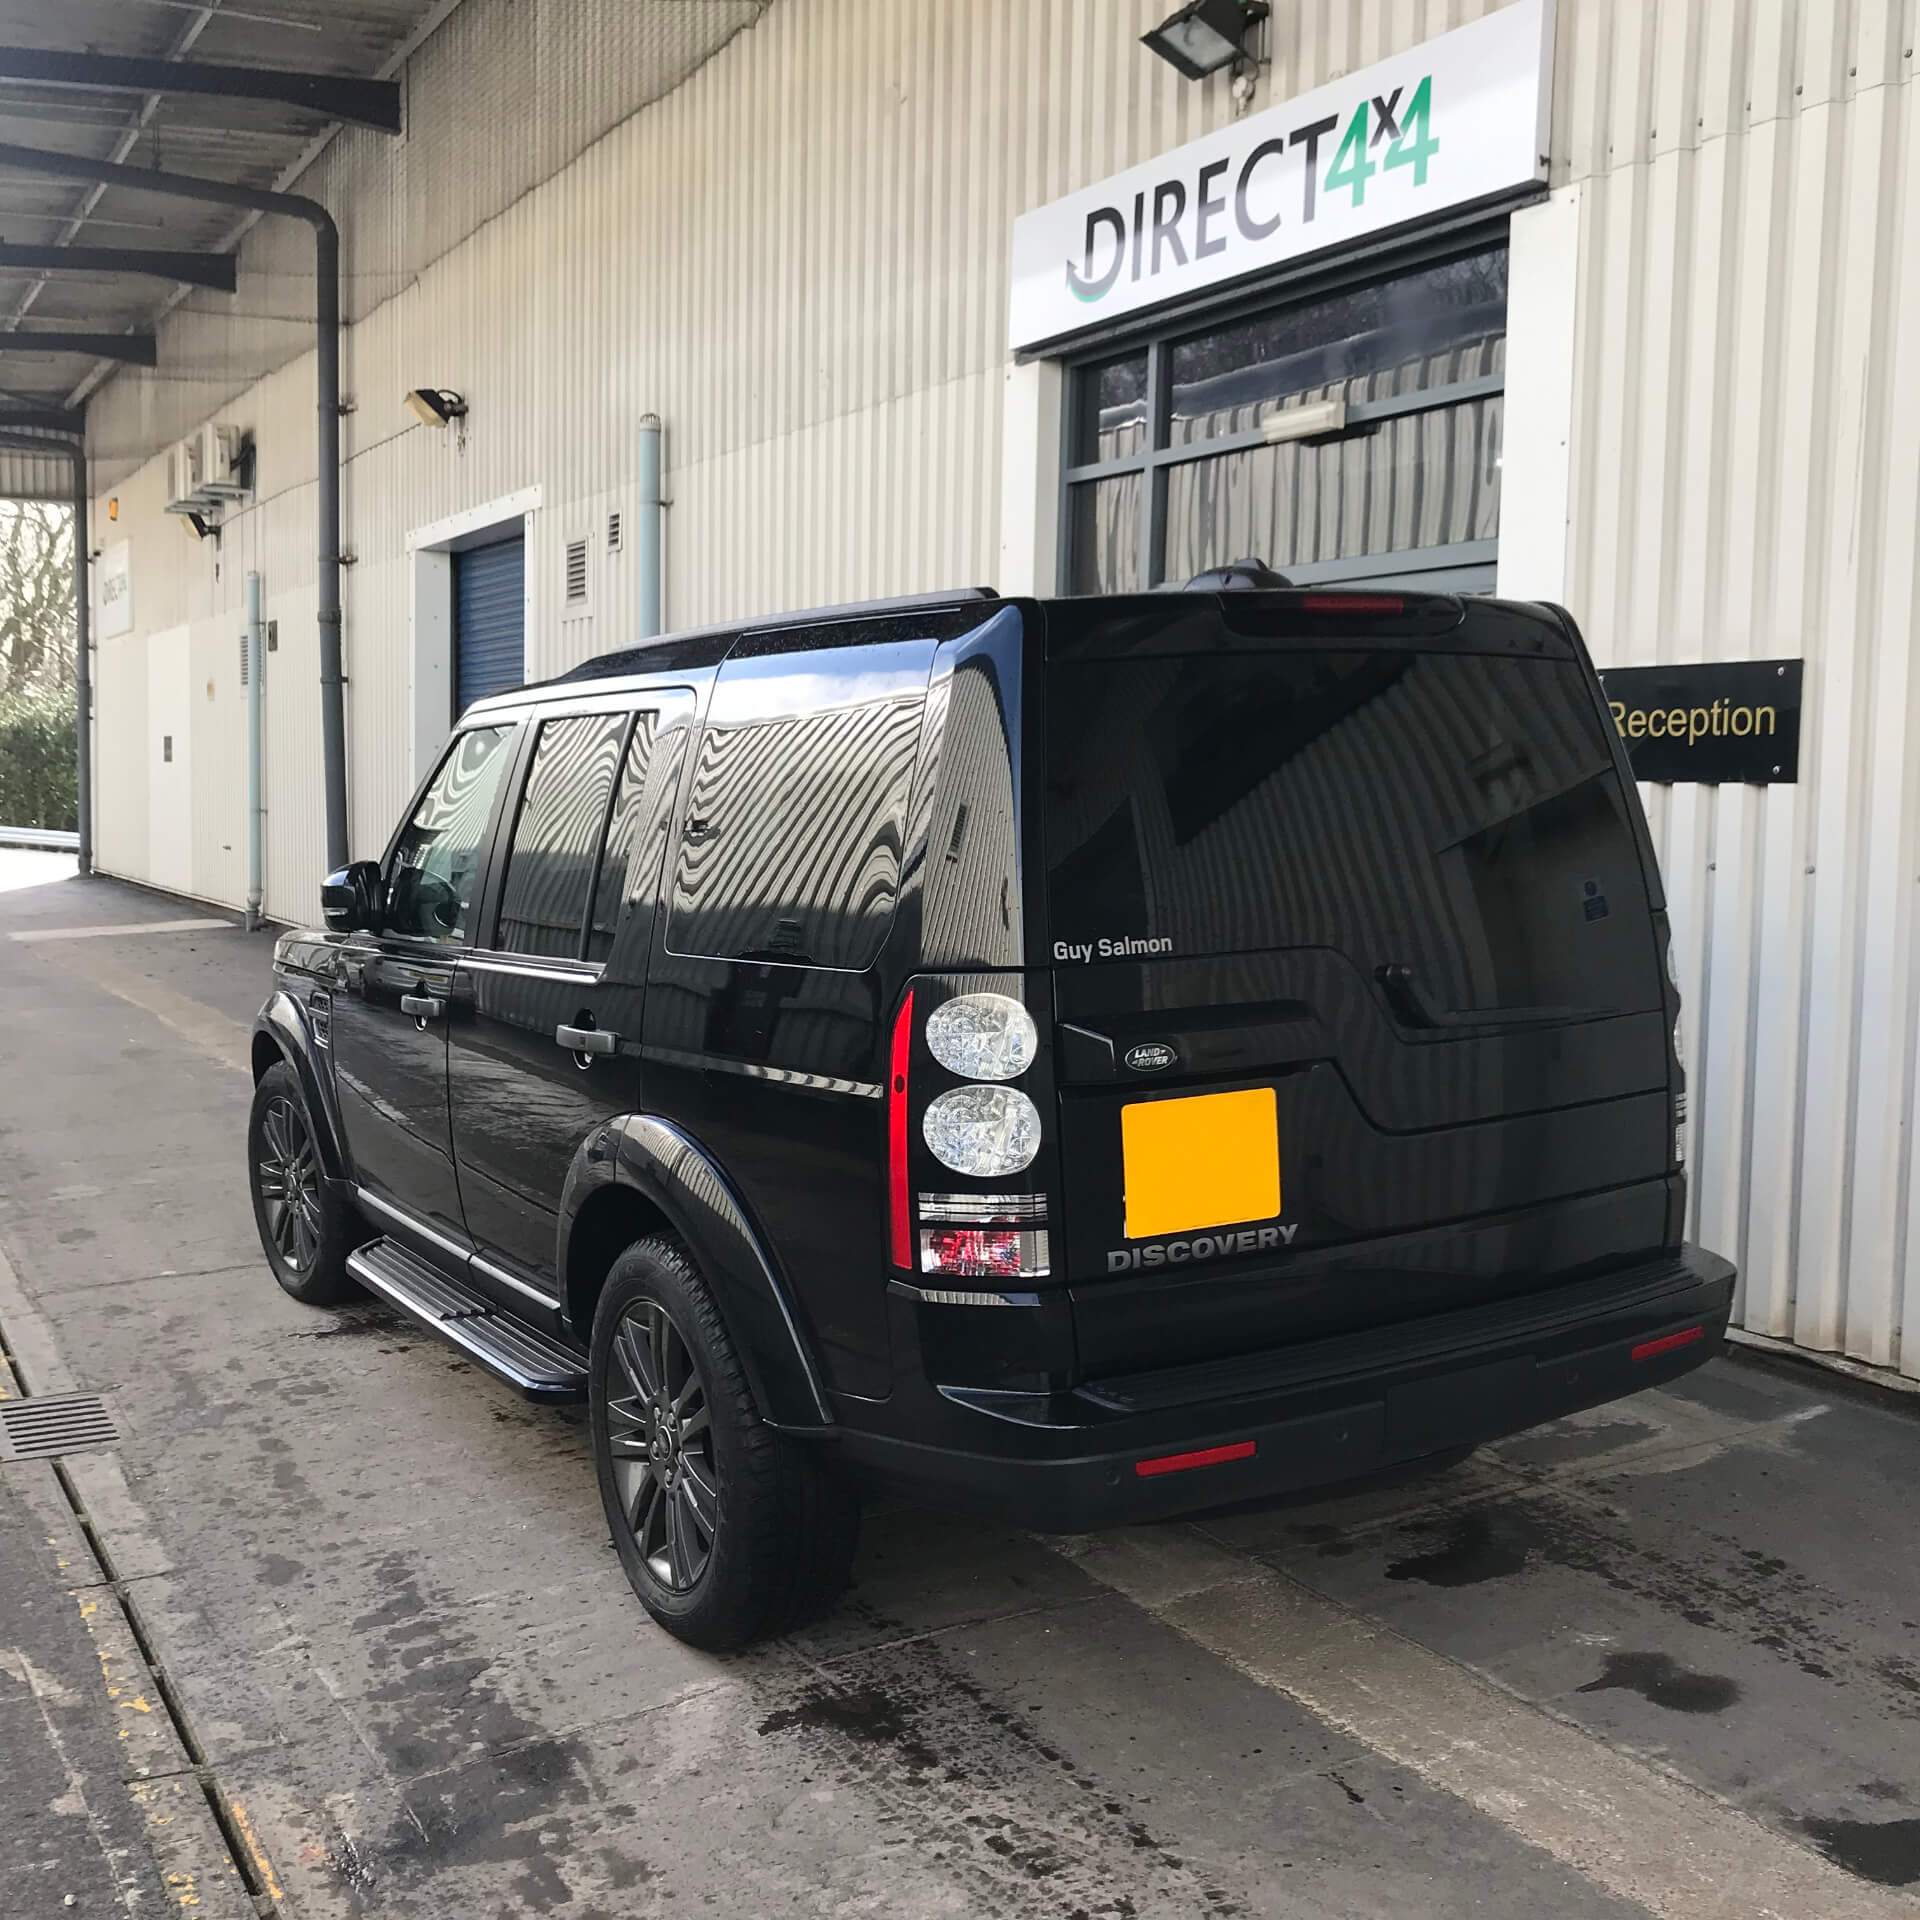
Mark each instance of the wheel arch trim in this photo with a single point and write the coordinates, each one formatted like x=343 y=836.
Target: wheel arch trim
x=282 y=1022
x=670 y=1170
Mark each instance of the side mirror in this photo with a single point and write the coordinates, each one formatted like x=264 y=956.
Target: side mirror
x=350 y=898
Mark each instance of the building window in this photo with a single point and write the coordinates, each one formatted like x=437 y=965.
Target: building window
x=1204 y=447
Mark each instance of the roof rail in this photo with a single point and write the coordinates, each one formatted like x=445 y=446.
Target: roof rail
x=633 y=659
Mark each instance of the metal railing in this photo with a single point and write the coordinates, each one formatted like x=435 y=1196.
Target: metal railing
x=53 y=839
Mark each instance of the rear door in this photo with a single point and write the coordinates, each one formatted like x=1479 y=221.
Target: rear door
x=546 y=1014
x=1353 y=947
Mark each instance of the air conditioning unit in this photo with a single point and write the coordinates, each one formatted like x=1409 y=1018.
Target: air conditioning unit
x=183 y=477
x=221 y=466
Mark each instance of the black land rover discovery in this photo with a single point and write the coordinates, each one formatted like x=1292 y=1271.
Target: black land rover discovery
x=1085 y=1060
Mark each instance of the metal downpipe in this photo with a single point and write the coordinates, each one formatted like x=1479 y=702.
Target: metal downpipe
x=256 y=694
x=183 y=186
x=648 y=540
x=75 y=453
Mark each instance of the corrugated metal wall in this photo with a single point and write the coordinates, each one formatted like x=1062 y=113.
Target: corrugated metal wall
x=799 y=259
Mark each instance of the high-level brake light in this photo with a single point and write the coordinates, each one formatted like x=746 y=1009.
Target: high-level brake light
x=1354 y=603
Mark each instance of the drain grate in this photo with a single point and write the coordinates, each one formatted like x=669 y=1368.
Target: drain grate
x=53 y=1424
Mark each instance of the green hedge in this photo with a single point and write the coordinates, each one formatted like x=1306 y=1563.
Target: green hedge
x=37 y=787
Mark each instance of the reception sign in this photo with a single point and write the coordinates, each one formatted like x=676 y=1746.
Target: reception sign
x=1731 y=722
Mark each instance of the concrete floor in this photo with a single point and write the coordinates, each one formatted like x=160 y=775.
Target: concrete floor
x=1661 y=1659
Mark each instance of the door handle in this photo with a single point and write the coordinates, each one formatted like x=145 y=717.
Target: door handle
x=586 y=1039
x=423 y=1006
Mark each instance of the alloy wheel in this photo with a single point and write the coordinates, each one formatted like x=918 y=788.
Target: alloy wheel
x=288 y=1173
x=660 y=1439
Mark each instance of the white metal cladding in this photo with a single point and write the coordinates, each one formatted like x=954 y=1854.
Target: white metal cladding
x=798 y=258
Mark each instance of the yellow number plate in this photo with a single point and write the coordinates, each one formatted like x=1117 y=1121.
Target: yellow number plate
x=1209 y=1161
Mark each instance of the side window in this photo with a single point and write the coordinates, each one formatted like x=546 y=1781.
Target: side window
x=430 y=883
x=557 y=834
x=610 y=890
x=792 y=843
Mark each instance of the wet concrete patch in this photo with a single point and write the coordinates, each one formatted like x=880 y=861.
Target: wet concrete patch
x=1886 y=1852
x=1477 y=1547
x=1660 y=1680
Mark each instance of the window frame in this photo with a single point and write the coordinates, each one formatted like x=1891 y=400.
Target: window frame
x=1157 y=457
x=628 y=716
x=671 y=705
x=513 y=724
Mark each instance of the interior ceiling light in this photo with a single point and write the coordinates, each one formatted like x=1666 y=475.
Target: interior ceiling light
x=1206 y=35
x=435 y=406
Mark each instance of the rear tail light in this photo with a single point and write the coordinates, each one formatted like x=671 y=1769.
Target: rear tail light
x=983 y=1036
x=899 y=1209
x=984 y=1253
x=984 y=1132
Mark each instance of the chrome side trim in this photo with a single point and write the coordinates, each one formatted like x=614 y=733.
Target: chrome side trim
x=569 y=973
x=413 y=1224
x=753 y=1070
x=961 y=1297
x=481 y=1264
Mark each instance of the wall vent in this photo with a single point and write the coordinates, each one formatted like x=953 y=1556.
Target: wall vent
x=613 y=533
x=576 y=572
x=243 y=659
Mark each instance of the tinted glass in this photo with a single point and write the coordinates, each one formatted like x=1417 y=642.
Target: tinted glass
x=1433 y=328
x=1453 y=815
x=611 y=891
x=1105 y=541
x=556 y=836
x=430 y=881
x=1112 y=410
x=1418 y=480
x=792 y=845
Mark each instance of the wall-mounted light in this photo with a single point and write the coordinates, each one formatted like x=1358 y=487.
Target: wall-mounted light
x=1206 y=35
x=200 y=525
x=435 y=406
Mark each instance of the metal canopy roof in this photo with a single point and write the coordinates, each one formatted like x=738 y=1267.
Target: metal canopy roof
x=222 y=135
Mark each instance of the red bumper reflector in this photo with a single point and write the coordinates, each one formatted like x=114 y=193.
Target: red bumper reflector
x=1184 y=1462
x=899 y=1207
x=1648 y=1349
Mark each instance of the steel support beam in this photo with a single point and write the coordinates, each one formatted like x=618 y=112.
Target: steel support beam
x=131 y=349
x=73 y=450
x=220 y=271
x=326 y=243
x=50 y=419
x=333 y=96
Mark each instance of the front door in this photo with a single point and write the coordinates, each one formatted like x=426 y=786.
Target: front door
x=546 y=1025
x=394 y=988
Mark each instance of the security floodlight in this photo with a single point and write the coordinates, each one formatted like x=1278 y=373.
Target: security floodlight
x=435 y=406
x=1206 y=35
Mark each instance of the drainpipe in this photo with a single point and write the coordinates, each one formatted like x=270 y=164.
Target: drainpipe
x=75 y=454
x=647 y=542
x=256 y=667
x=326 y=237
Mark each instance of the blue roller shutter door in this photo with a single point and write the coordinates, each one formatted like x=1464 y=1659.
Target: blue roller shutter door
x=489 y=621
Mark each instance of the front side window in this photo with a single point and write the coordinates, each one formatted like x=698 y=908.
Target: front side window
x=557 y=835
x=432 y=877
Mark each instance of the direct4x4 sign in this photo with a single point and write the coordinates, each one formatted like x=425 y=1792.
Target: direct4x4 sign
x=1459 y=119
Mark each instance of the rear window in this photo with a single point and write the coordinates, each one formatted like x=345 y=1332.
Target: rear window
x=1451 y=823
x=796 y=822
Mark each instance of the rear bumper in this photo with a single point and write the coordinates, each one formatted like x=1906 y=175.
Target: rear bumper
x=1302 y=1417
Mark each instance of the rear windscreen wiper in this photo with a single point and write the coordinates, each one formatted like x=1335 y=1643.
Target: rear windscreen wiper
x=1412 y=1008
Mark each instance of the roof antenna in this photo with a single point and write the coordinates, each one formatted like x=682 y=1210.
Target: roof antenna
x=1238 y=576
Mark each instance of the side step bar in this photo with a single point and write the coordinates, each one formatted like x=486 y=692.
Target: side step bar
x=526 y=1359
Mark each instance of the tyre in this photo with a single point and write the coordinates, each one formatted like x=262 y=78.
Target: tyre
x=727 y=1529
x=306 y=1230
